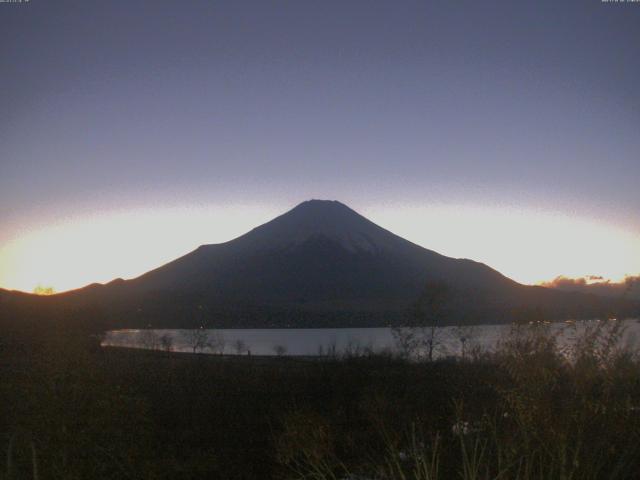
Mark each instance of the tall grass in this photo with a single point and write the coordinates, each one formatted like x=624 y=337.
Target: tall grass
x=530 y=410
x=559 y=413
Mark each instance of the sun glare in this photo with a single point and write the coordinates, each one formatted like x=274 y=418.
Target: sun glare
x=527 y=246
x=81 y=251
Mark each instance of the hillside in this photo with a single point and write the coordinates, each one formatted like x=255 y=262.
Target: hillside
x=320 y=264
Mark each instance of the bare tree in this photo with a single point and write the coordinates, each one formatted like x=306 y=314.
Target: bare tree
x=353 y=349
x=197 y=339
x=423 y=332
x=407 y=340
x=631 y=284
x=332 y=350
x=464 y=334
x=239 y=346
x=216 y=343
x=280 y=350
x=149 y=339
x=166 y=341
x=430 y=313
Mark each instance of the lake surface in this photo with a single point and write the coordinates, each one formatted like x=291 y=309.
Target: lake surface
x=350 y=341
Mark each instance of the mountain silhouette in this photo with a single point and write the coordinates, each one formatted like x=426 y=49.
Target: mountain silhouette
x=319 y=264
x=318 y=251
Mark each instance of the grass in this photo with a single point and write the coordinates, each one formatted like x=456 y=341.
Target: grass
x=530 y=410
x=552 y=414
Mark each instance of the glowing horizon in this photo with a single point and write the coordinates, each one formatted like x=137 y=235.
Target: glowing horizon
x=506 y=145
x=526 y=245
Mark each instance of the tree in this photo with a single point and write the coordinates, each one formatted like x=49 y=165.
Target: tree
x=239 y=346
x=464 y=333
x=197 y=339
x=407 y=340
x=431 y=310
x=216 y=343
x=166 y=341
x=149 y=339
x=631 y=284
x=42 y=290
x=280 y=350
x=428 y=315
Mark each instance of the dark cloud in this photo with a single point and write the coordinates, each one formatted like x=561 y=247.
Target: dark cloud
x=598 y=285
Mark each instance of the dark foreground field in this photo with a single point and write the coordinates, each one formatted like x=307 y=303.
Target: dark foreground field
x=71 y=410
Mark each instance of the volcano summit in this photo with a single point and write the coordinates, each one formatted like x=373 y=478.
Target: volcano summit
x=320 y=264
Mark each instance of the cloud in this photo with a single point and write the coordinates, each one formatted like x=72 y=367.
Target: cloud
x=594 y=278
x=598 y=285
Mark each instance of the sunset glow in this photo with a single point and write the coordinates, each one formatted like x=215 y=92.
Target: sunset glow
x=495 y=146
x=81 y=251
x=319 y=239
x=527 y=246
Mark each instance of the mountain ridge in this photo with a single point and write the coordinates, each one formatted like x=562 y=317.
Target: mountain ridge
x=318 y=264
x=315 y=224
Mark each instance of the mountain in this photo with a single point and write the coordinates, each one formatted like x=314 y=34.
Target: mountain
x=321 y=251
x=320 y=264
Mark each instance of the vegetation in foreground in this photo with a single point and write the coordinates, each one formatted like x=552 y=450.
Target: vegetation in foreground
x=71 y=410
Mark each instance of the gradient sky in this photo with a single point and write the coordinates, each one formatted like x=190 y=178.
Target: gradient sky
x=133 y=131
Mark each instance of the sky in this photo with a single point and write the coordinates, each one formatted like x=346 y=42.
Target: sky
x=133 y=131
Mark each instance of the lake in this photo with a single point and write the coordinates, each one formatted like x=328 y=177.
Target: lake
x=348 y=341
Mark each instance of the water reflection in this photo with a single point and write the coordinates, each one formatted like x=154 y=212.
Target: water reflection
x=445 y=341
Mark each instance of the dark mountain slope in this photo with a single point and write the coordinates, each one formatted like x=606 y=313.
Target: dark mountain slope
x=320 y=264
x=321 y=250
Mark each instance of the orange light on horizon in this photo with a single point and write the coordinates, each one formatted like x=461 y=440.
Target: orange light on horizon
x=528 y=246
x=82 y=251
